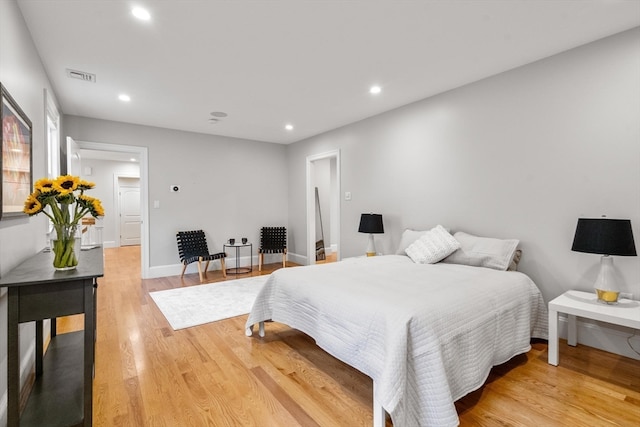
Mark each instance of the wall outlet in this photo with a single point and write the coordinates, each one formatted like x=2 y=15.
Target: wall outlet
x=174 y=188
x=627 y=295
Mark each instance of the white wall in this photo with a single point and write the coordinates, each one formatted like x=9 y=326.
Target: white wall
x=23 y=75
x=522 y=154
x=229 y=187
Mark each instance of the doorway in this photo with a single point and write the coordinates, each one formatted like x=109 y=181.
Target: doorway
x=142 y=154
x=323 y=207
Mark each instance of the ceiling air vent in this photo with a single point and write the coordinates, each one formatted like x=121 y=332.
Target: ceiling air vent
x=81 y=75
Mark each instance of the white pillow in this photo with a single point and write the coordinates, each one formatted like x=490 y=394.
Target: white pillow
x=408 y=237
x=483 y=251
x=433 y=246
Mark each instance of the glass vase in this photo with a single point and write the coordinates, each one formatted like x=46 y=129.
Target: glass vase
x=65 y=246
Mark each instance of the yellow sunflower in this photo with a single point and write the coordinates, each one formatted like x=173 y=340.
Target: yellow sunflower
x=43 y=183
x=66 y=184
x=45 y=186
x=92 y=204
x=32 y=205
x=98 y=210
x=85 y=185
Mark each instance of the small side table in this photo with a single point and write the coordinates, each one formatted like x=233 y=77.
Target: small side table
x=38 y=292
x=237 y=246
x=585 y=304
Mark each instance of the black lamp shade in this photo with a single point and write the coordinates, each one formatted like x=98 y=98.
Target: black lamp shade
x=371 y=223
x=604 y=236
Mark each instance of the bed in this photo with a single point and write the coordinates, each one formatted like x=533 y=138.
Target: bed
x=427 y=334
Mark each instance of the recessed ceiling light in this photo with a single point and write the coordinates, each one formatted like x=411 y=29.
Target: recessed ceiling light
x=140 y=13
x=288 y=127
x=124 y=97
x=133 y=159
x=375 y=90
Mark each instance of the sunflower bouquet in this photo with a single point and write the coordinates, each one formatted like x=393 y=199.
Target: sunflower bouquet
x=67 y=205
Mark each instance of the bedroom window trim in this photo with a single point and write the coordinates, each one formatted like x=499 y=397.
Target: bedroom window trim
x=52 y=132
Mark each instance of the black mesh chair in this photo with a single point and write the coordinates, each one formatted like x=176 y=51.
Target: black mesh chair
x=273 y=240
x=192 y=247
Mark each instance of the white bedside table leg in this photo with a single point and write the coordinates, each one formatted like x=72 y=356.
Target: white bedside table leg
x=553 y=338
x=572 y=330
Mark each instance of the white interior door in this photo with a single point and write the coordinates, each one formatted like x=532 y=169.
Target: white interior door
x=129 y=203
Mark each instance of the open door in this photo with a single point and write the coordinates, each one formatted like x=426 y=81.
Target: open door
x=74 y=162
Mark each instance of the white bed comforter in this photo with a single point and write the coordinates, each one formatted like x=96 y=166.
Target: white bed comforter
x=426 y=334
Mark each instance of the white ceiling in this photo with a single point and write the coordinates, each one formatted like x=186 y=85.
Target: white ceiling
x=309 y=63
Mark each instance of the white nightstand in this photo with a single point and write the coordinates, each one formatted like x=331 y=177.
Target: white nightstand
x=585 y=304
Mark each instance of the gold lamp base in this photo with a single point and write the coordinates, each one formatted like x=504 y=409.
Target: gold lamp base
x=371 y=247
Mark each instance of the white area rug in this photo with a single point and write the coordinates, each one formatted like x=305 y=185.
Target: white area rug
x=197 y=305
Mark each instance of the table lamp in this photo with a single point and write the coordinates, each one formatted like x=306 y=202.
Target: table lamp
x=371 y=223
x=605 y=237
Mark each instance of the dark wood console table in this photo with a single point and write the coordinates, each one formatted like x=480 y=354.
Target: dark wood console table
x=38 y=292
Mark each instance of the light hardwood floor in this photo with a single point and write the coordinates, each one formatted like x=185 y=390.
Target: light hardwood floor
x=213 y=375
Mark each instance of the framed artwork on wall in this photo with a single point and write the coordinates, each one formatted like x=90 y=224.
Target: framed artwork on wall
x=16 y=158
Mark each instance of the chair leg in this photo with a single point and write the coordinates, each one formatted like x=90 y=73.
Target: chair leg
x=260 y=261
x=184 y=267
x=200 y=269
x=224 y=270
x=206 y=268
x=284 y=259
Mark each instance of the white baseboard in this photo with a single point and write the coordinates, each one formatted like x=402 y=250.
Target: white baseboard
x=109 y=244
x=333 y=248
x=176 y=269
x=297 y=258
x=604 y=336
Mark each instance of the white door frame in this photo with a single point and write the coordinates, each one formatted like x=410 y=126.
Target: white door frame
x=116 y=196
x=311 y=203
x=143 y=154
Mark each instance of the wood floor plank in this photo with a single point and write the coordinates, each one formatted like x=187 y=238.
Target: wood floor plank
x=289 y=404
x=147 y=374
